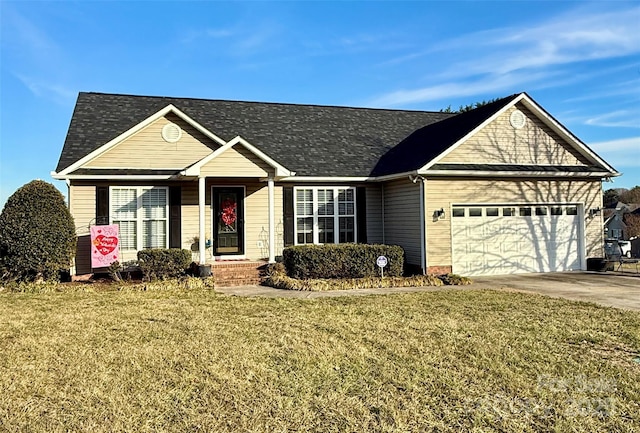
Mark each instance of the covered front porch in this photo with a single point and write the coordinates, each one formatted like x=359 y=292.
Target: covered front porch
x=239 y=207
x=232 y=219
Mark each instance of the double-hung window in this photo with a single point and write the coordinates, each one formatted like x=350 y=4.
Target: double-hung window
x=325 y=215
x=142 y=215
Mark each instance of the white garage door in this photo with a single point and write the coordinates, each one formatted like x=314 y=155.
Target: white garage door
x=508 y=239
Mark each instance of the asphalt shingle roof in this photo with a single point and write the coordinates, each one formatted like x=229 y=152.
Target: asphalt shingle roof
x=426 y=143
x=311 y=140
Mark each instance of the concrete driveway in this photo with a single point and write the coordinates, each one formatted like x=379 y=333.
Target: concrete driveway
x=621 y=290
x=613 y=289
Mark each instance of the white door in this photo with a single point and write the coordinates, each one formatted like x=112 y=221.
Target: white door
x=508 y=239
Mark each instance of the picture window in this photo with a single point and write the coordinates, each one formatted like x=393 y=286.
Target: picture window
x=325 y=215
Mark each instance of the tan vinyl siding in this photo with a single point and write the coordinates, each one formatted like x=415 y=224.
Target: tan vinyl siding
x=189 y=214
x=146 y=148
x=500 y=143
x=82 y=205
x=256 y=204
x=443 y=193
x=236 y=161
x=374 y=214
x=402 y=217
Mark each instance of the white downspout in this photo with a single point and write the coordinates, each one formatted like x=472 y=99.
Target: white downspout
x=423 y=241
x=272 y=219
x=201 y=230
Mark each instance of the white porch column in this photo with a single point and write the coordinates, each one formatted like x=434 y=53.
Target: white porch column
x=272 y=221
x=202 y=230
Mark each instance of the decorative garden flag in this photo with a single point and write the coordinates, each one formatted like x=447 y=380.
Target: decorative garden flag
x=104 y=245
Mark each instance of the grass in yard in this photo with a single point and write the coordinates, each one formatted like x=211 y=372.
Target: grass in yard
x=194 y=360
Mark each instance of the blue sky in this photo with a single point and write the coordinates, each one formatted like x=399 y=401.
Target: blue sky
x=579 y=60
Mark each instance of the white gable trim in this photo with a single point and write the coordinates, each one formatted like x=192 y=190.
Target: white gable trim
x=280 y=171
x=112 y=176
x=148 y=121
x=518 y=174
x=542 y=115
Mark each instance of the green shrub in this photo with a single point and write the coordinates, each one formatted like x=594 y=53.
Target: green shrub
x=164 y=263
x=341 y=261
x=37 y=234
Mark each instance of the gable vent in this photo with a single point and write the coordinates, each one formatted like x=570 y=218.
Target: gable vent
x=517 y=119
x=171 y=133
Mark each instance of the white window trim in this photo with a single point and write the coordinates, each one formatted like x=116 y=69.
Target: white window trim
x=139 y=219
x=336 y=213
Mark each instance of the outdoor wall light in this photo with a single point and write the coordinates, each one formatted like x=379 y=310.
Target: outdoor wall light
x=439 y=214
x=594 y=212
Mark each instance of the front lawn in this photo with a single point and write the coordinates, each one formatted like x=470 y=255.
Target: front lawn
x=199 y=361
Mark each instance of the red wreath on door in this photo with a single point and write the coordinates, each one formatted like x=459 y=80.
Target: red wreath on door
x=228 y=212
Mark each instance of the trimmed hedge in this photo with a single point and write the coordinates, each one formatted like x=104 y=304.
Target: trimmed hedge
x=341 y=261
x=37 y=234
x=159 y=263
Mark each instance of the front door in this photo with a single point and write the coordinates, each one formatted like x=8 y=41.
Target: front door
x=228 y=221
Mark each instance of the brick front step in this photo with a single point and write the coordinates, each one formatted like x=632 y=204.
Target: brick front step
x=237 y=273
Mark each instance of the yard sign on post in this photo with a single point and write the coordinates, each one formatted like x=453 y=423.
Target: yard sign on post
x=381 y=261
x=105 y=245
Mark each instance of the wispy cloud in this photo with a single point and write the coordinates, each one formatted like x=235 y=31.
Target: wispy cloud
x=623 y=152
x=631 y=144
x=255 y=39
x=617 y=119
x=53 y=91
x=449 y=90
x=239 y=39
x=27 y=37
x=379 y=41
x=617 y=89
x=495 y=55
x=196 y=35
x=42 y=65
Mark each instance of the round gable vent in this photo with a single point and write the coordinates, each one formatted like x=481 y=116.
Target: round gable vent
x=171 y=133
x=517 y=119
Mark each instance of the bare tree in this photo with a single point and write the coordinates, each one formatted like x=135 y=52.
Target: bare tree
x=632 y=222
x=631 y=196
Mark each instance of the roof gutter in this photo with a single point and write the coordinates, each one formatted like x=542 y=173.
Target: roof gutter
x=469 y=173
x=68 y=177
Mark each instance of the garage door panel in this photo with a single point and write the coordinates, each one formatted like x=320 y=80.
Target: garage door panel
x=494 y=229
x=511 y=248
x=530 y=239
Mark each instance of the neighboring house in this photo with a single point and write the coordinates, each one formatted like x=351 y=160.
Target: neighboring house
x=614 y=225
x=500 y=189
